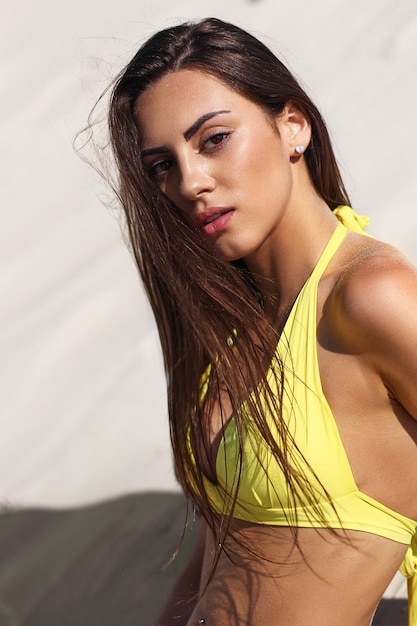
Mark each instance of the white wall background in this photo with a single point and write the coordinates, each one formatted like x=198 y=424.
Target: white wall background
x=82 y=413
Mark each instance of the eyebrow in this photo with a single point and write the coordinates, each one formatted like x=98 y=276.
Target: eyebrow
x=188 y=134
x=198 y=123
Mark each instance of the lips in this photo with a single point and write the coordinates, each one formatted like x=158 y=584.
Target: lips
x=214 y=219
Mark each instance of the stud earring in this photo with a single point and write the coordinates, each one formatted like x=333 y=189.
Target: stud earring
x=299 y=149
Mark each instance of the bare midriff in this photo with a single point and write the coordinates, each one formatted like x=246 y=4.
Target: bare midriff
x=328 y=579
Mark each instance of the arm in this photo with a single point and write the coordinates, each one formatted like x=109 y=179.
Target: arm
x=183 y=597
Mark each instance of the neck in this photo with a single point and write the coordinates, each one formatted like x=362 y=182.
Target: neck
x=285 y=261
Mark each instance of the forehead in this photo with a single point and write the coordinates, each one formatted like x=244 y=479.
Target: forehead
x=179 y=98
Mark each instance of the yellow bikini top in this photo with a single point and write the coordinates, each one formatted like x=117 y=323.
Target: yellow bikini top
x=263 y=496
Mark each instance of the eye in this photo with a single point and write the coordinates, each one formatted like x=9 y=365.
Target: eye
x=215 y=140
x=159 y=168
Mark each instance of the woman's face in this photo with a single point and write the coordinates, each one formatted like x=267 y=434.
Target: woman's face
x=219 y=158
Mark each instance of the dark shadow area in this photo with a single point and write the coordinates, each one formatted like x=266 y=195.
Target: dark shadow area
x=101 y=565
x=95 y=566
x=392 y=612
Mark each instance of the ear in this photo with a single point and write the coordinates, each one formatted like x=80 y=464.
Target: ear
x=294 y=129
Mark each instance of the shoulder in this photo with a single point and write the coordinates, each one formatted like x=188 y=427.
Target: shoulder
x=375 y=294
x=373 y=316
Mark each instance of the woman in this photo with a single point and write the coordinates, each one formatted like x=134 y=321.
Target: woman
x=289 y=340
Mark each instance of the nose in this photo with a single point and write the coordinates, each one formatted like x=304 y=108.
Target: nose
x=195 y=179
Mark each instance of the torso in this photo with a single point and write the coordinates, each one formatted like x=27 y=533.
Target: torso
x=329 y=580
x=336 y=581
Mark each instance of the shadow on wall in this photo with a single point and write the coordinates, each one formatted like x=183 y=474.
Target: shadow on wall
x=101 y=565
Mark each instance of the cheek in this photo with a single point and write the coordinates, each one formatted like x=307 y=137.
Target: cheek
x=266 y=177
x=170 y=187
x=263 y=158
x=243 y=168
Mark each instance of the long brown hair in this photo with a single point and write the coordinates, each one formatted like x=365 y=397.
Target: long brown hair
x=207 y=310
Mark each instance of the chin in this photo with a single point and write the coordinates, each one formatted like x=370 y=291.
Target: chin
x=236 y=259
x=230 y=253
